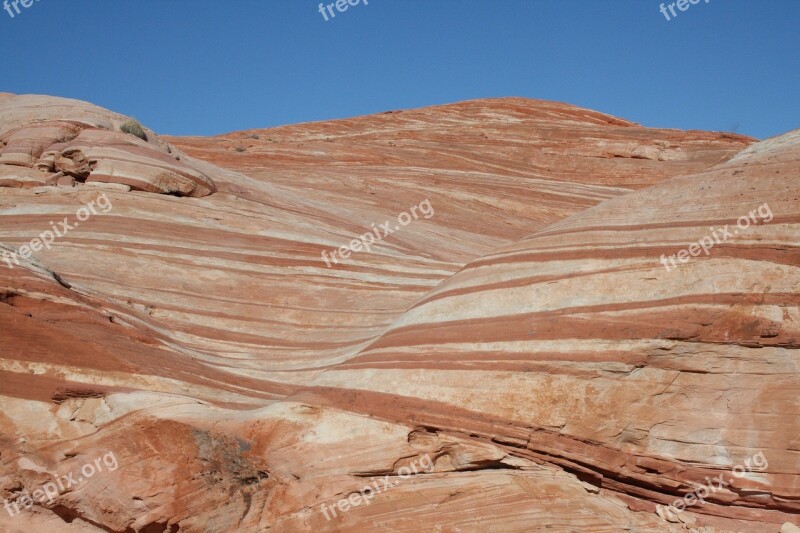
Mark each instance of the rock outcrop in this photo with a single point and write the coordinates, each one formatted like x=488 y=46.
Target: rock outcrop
x=43 y=139
x=519 y=361
x=586 y=347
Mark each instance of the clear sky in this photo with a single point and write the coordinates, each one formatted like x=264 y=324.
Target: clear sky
x=206 y=67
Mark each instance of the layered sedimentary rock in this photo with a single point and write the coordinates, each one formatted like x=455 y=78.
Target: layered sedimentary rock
x=587 y=347
x=65 y=138
x=525 y=340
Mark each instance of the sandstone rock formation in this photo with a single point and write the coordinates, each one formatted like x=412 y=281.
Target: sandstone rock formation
x=58 y=138
x=526 y=338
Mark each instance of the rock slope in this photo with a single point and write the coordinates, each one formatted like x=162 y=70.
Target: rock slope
x=525 y=338
x=46 y=141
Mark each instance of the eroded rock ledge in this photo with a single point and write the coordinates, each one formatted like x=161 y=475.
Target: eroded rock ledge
x=46 y=141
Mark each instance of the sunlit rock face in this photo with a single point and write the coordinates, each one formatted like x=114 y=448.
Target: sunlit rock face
x=44 y=139
x=520 y=360
x=588 y=347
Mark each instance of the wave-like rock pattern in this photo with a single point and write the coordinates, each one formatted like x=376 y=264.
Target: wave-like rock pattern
x=523 y=338
x=587 y=352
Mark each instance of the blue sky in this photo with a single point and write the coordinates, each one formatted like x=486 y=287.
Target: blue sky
x=207 y=67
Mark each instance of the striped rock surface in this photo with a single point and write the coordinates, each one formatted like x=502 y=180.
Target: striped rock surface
x=57 y=137
x=519 y=360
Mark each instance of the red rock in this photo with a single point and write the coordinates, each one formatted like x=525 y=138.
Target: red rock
x=66 y=181
x=525 y=338
x=34 y=134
